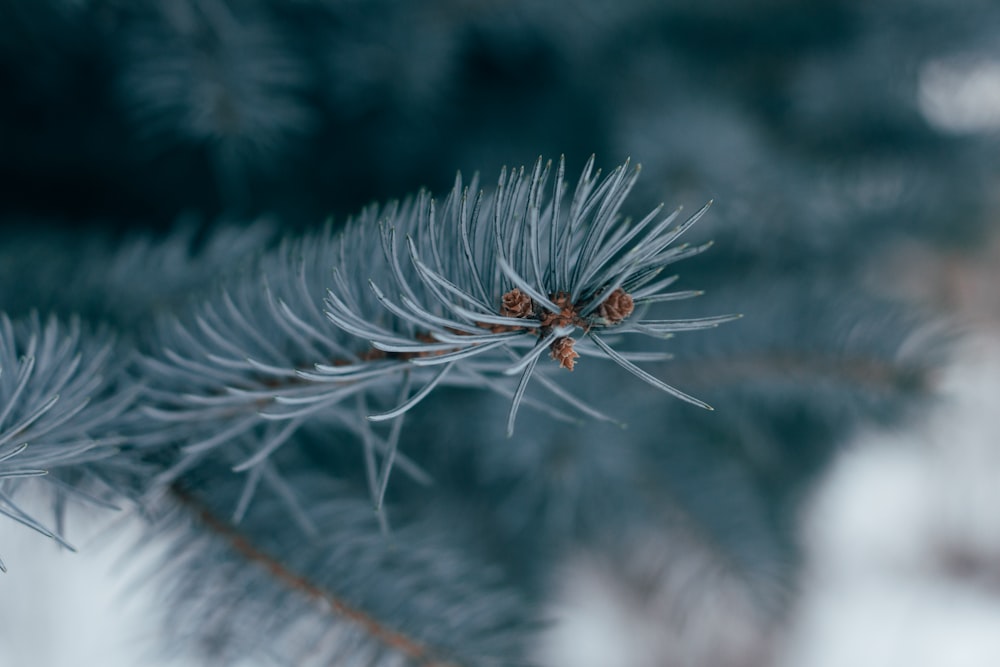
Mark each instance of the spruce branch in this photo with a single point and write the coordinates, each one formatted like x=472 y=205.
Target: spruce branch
x=350 y=593
x=225 y=378
x=490 y=284
x=262 y=356
x=64 y=400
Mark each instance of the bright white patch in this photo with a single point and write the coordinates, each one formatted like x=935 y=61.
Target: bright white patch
x=903 y=541
x=63 y=609
x=665 y=604
x=961 y=95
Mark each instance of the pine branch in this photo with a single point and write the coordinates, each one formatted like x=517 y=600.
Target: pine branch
x=417 y=597
x=63 y=403
x=531 y=273
x=391 y=639
x=262 y=357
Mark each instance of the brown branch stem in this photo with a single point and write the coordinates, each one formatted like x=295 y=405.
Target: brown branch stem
x=421 y=655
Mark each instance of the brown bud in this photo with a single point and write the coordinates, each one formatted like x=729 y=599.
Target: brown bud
x=517 y=304
x=616 y=307
x=567 y=315
x=563 y=352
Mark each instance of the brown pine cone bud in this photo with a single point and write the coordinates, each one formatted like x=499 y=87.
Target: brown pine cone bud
x=567 y=315
x=616 y=307
x=517 y=304
x=563 y=352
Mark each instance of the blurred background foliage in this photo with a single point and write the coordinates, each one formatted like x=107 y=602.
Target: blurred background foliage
x=822 y=129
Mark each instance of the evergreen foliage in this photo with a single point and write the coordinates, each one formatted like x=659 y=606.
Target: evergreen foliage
x=376 y=440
